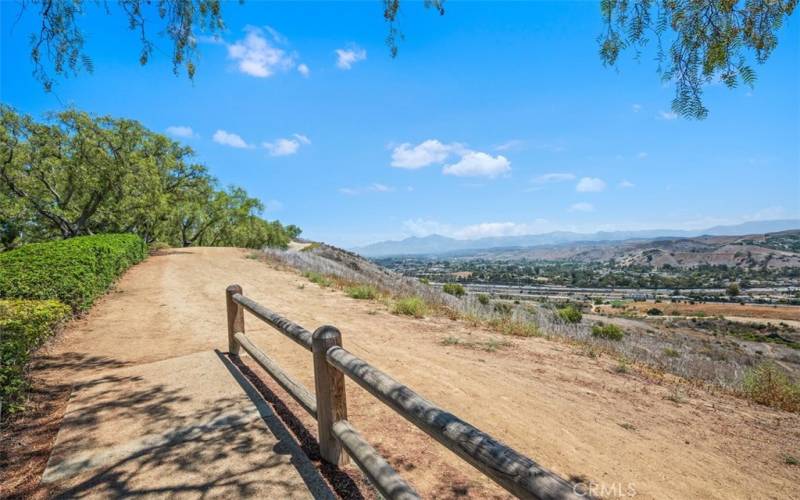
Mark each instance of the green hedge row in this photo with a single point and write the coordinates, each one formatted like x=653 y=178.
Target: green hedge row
x=75 y=271
x=24 y=326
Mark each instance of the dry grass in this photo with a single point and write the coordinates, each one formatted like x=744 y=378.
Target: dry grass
x=687 y=357
x=766 y=384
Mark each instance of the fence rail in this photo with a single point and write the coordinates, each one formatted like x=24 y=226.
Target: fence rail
x=513 y=471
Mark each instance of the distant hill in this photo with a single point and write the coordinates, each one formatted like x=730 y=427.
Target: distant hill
x=771 y=251
x=438 y=245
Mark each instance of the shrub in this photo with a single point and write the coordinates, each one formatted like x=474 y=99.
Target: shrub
x=411 y=306
x=654 y=311
x=516 y=328
x=609 y=332
x=24 y=326
x=570 y=314
x=425 y=281
x=502 y=308
x=483 y=299
x=768 y=385
x=310 y=247
x=158 y=246
x=364 y=292
x=75 y=271
x=318 y=278
x=454 y=289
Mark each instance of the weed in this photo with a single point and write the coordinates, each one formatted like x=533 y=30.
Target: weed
x=516 y=328
x=768 y=385
x=483 y=299
x=627 y=426
x=791 y=460
x=363 y=292
x=671 y=353
x=411 y=306
x=675 y=395
x=570 y=314
x=454 y=289
x=318 y=278
x=622 y=367
x=608 y=332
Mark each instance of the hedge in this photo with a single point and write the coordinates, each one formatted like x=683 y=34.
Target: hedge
x=75 y=271
x=24 y=326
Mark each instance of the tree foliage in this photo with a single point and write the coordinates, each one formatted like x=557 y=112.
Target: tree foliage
x=60 y=38
x=698 y=41
x=75 y=174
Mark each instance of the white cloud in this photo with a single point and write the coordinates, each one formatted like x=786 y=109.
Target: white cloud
x=303 y=70
x=512 y=145
x=626 y=184
x=667 y=115
x=636 y=108
x=477 y=164
x=553 y=177
x=180 y=131
x=581 y=207
x=642 y=155
x=279 y=38
x=423 y=154
x=433 y=151
x=427 y=227
x=345 y=58
x=375 y=187
x=230 y=139
x=286 y=147
x=257 y=56
x=590 y=185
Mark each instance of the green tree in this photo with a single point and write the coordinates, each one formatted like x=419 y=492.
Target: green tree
x=733 y=290
x=76 y=174
x=707 y=40
x=61 y=40
x=698 y=41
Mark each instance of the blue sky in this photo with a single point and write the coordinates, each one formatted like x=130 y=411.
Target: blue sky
x=494 y=119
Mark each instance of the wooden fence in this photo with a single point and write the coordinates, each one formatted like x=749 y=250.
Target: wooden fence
x=513 y=471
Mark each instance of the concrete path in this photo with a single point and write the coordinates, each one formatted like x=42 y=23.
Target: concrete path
x=148 y=419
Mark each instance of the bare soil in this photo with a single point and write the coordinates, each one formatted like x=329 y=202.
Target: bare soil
x=575 y=414
x=762 y=311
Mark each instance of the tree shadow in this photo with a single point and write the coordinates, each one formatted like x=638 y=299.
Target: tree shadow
x=126 y=436
x=341 y=482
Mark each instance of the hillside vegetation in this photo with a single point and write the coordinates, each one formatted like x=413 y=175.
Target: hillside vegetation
x=75 y=174
x=719 y=364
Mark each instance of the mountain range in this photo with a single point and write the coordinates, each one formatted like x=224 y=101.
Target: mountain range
x=436 y=244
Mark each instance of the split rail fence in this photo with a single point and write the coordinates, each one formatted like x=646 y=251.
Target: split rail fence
x=515 y=472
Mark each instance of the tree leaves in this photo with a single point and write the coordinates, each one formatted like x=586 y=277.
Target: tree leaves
x=57 y=48
x=709 y=40
x=77 y=174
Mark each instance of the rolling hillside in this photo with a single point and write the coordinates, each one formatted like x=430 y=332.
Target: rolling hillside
x=772 y=251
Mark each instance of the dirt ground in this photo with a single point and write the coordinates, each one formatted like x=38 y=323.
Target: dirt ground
x=623 y=433
x=761 y=311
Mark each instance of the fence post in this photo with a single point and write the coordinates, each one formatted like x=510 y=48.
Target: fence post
x=331 y=397
x=235 y=318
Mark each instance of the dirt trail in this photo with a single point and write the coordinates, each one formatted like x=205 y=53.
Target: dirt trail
x=572 y=413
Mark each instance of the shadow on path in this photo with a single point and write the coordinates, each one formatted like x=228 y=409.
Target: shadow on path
x=343 y=484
